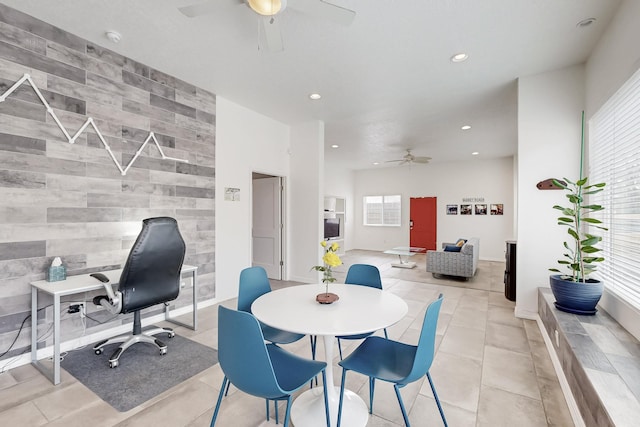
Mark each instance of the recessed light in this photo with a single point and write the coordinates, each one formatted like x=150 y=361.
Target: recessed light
x=465 y=127
x=475 y=153
x=113 y=36
x=376 y=163
x=585 y=22
x=459 y=57
x=335 y=146
x=315 y=96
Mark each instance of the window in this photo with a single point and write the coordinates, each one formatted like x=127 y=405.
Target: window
x=614 y=158
x=382 y=210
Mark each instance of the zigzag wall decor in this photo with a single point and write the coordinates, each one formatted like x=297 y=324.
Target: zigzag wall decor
x=89 y=121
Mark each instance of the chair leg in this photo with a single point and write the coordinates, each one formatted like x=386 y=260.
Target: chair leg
x=404 y=411
x=275 y=406
x=215 y=413
x=344 y=377
x=288 y=412
x=385 y=334
x=326 y=399
x=372 y=390
x=435 y=395
x=266 y=401
x=227 y=390
x=339 y=348
x=314 y=340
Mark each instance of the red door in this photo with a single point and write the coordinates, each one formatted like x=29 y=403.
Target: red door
x=423 y=222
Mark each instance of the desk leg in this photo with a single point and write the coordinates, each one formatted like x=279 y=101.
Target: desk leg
x=308 y=408
x=52 y=374
x=194 y=323
x=56 y=339
x=34 y=325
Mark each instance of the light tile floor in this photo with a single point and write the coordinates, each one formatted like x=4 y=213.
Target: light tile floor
x=490 y=369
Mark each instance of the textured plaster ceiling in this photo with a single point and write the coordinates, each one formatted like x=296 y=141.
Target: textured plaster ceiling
x=386 y=80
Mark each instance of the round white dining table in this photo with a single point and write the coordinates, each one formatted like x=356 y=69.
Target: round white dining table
x=360 y=309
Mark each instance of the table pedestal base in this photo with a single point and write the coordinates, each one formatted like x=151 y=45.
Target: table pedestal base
x=308 y=409
x=405 y=264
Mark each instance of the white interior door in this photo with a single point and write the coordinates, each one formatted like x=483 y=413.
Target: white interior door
x=267 y=225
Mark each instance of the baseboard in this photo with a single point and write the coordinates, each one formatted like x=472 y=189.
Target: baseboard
x=564 y=384
x=525 y=314
x=43 y=353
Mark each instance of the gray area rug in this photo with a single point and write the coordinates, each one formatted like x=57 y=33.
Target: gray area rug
x=142 y=373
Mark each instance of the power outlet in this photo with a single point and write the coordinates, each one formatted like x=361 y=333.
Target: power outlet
x=81 y=308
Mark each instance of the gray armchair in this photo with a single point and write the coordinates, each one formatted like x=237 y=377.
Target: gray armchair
x=460 y=264
x=150 y=276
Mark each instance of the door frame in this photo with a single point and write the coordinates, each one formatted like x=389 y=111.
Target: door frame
x=282 y=235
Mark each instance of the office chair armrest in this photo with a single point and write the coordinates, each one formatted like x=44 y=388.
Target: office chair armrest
x=112 y=302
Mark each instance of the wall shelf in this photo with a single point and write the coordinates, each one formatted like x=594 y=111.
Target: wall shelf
x=334 y=207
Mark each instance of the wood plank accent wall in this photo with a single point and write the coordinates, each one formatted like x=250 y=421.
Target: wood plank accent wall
x=70 y=200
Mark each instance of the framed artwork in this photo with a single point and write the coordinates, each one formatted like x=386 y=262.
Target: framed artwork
x=465 y=210
x=497 y=209
x=481 y=209
x=452 y=209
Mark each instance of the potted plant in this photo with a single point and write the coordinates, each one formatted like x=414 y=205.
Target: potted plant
x=574 y=291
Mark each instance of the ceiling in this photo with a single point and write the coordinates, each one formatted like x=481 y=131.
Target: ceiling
x=386 y=80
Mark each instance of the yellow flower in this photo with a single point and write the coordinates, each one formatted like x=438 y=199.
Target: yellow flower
x=323 y=243
x=331 y=259
x=335 y=246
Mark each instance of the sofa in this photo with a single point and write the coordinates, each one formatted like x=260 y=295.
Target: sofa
x=449 y=263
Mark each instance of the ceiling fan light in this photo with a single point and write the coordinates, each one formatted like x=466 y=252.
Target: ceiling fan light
x=267 y=7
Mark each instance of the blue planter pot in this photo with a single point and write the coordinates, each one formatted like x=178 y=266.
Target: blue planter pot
x=576 y=298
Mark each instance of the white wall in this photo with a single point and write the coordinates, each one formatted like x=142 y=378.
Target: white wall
x=615 y=58
x=450 y=183
x=245 y=142
x=306 y=200
x=549 y=116
x=339 y=182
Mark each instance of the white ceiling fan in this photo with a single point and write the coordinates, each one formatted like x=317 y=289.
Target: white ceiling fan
x=268 y=11
x=410 y=158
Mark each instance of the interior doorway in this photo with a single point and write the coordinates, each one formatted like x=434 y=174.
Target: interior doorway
x=267 y=227
x=423 y=222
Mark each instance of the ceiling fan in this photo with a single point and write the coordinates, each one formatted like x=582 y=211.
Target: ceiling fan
x=410 y=158
x=269 y=21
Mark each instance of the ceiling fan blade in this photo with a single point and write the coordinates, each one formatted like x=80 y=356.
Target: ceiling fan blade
x=270 y=36
x=198 y=9
x=324 y=10
x=391 y=161
x=420 y=159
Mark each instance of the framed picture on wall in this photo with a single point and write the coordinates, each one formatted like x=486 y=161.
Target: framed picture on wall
x=481 y=209
x=465 y=210
x=496 y=209
x=452 y=209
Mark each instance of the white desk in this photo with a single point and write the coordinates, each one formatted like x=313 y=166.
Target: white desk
x=76 y=285
x=360 y=309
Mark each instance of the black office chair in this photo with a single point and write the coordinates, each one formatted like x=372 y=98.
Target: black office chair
x=150 y=276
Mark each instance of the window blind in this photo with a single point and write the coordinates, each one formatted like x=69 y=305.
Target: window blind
x=382 y=210
x=614 y=158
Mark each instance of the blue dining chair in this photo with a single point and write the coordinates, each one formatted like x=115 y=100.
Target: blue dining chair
x=395 y=362
x=364 y=275
x=260 y=369
x=254 y=283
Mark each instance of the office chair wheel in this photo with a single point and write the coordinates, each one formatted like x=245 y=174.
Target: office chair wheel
x=163 y=351
x=98 y=351
x=171 y=334
x=113 y=364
